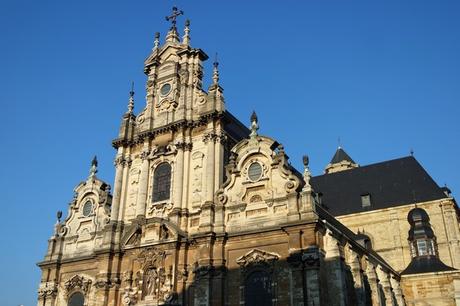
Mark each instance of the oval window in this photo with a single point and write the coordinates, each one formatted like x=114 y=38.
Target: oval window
x=87 y=208
x=255 y=171
x=165 y=89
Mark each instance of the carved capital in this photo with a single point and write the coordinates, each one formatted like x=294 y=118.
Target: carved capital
x=184 y=146
x=203 y=272
x=119 y=161
x=47 y=290
x=145 y=154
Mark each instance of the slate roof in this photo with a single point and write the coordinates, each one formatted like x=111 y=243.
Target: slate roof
x=425 y=264
x=389 y=184
x=341 y=155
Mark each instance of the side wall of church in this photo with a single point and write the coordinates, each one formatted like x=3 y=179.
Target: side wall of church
x=438 y=288
x=388 y=229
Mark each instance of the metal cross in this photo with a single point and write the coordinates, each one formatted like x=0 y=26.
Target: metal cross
x=174 y=15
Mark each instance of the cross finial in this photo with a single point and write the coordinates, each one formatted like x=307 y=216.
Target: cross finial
x=175 y=13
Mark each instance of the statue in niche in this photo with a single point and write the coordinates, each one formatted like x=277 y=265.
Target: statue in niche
x=154 y=281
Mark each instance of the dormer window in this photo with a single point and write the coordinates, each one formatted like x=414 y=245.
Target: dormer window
x=366 y=200
x=421 y=237
x=162 y=182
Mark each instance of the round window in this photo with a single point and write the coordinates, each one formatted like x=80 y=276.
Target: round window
x=165 y=89
x=87 y=208
x=255 y=171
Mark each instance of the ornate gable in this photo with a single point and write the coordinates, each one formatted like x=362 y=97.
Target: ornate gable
x=261 y=185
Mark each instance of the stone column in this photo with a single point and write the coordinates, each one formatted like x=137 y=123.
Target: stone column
x=119 y=162
x=355 y=269
x=397 y=292
x=143 y=183
x=333 y=261
x=384 y=281
x=372 y=279
x=179 y=174
x=210 y=140
x=124 y=189
x=312 y=259
x=452 y=232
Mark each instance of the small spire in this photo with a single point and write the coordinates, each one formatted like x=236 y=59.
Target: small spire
x=215 y=74
x=339 y=144
x=156 y=42
x=93 y=169
x=186 y=38
x=254 y=125
x=411 y=152
x=131 y=100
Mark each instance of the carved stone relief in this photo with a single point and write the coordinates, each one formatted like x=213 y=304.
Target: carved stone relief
x=197 y=179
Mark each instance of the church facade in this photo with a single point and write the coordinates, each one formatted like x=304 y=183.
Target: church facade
x=205 y=211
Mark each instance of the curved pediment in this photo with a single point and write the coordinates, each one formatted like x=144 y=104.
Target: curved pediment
x=261 y=184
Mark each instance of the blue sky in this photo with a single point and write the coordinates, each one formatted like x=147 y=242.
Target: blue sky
x=382 y=75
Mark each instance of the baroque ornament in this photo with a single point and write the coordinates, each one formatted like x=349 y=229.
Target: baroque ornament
x=77 y=282
x=256 y=257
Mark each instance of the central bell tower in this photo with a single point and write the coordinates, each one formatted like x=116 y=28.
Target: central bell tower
x=171 y=155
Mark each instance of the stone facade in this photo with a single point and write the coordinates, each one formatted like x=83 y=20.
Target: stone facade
x=205 y=211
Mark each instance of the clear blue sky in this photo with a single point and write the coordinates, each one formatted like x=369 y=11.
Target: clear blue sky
x=382 y=75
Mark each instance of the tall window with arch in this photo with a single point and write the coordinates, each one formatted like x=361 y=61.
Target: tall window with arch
x=161 y=182
x=258 y=288
x=76 y=299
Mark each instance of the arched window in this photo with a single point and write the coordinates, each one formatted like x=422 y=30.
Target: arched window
x=162 y=182
x=257 y=289
x=76 y=299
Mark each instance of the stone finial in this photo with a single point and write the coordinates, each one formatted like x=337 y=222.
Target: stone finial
x=131 y=100
x=93 y=169
x=215 y=73
x=254 y=125
x=306 y=173
x=186 y=38
x=156 y=42
x=305 y=160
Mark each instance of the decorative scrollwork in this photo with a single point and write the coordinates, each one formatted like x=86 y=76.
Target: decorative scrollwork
x=77 y=282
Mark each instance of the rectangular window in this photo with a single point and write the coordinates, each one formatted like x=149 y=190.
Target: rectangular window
x=422 y=247
x=366 y=200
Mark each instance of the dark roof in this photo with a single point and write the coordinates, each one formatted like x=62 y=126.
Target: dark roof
x=341 y=155
x=390 y=183
x=425 y=264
